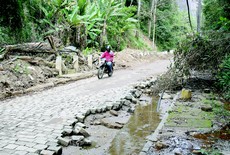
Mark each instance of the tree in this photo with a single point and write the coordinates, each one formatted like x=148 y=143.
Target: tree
x=216 y=13
x=189 y=17
x=199 y=7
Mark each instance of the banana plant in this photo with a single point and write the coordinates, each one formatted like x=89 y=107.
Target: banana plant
x=108 y=9
x=123 y=26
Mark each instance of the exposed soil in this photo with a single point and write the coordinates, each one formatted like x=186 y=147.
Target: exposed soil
x=18 y=74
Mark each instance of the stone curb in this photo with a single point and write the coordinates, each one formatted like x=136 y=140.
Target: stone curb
x=48 y=85
x=153 y=137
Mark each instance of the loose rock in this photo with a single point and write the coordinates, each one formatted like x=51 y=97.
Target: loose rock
x=186 y=94
x=207 y=108
x=63 y=141
x=160 y=145
x=84 y=132
x=113 y=112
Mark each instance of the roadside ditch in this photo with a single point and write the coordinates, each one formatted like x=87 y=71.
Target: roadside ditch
x=183 y=125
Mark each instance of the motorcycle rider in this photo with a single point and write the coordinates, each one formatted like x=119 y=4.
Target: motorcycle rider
x=108 y=55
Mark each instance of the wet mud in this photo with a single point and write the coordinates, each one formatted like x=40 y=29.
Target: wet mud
x=130 y=139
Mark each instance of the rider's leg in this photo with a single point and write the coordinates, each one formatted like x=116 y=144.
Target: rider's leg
x=109 y=64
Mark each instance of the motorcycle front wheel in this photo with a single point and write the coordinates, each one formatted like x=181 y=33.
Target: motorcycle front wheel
x=100 y=72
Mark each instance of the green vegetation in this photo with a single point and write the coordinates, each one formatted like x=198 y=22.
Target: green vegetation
x=209 y=50
x=83 y=23
x=20 y=69
x=224 y=77
x=91 y=23
x=211 y=151
x=219 y=109
x=217 y=15
x=171 y=24
x=184 y=116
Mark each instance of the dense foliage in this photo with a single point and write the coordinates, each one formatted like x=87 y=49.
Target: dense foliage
x=209 y=50
x=90 y=23
x=171 y=24
x=217 y=16
x=82 y=23
x=224 y=77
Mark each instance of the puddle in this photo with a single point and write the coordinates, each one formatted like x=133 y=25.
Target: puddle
x=223 y=133
x=128 y=140
x=131 y=138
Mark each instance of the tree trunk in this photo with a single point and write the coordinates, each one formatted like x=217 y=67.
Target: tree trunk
x=73 y=36
x=151 y=19
x=189 y=15
x=199 y=7
x=154 y=21
x=103 y=35
x=138 y=16
x=131 y=3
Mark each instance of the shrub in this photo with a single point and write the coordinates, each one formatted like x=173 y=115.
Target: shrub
x=224 y=77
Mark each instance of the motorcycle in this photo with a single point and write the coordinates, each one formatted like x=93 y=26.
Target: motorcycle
x=104 y=69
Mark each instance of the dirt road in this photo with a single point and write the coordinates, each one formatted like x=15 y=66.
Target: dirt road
x=33 y=122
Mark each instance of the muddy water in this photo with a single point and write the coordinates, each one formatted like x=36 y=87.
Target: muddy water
x=223 y=133
x=131 y=138
x=128 y=140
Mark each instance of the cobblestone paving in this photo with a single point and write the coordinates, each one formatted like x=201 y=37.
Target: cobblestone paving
x=33 y=122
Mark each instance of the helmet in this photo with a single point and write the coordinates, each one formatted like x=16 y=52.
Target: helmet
x=108 y=48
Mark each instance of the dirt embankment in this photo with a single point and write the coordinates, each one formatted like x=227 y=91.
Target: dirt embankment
x=19 y=72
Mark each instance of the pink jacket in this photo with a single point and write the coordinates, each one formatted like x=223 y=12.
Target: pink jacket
x=108 y=56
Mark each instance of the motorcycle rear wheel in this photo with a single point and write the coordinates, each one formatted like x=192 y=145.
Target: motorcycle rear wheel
x=100 y=72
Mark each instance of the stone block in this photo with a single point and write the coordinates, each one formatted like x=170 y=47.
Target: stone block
x=136 y=93
x=32 y=150
x=40 y=147
x=80 y=117
x=134 y=101
x=87 y=142
x=11 y=146
x=93 y=110
x=63 y=141
x=47 y=152
x=76 y=130
x=21 y=148
x=80 y=125
x=116 y=105
x=84 y=132
x=77 y=138
x=113 y=112
x=56 y=149
x=59 y=64
x=109 y=107
x=147 y=146
x=129 y=97
x=90 y=61
x=40 y=141
x=99 y=110
x=127 y=103
x=103 y=109
x=76 y=63
x=67 y=132
x=20 y=153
